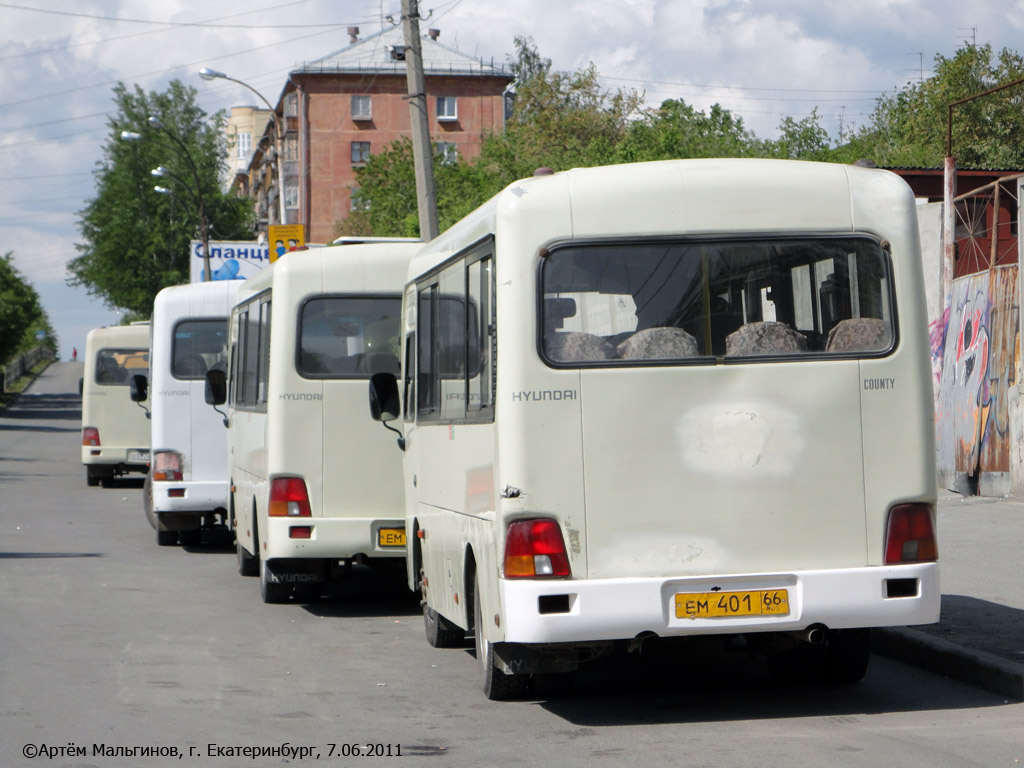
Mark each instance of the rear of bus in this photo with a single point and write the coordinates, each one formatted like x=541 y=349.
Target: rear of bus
x=115 y=431
x=335 y=477
x=190 y=477
x=724 y=406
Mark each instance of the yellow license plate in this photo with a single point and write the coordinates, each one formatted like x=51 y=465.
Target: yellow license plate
x=391 y=537
x=714 y=605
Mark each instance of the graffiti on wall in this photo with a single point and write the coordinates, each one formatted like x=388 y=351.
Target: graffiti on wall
x=977 y=359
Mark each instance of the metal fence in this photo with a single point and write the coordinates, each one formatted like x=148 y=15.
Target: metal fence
x=20 y=365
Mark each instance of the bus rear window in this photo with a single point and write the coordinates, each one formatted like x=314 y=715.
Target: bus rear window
x=349 y=337
x=697 y=302
x=199 y=346
x=115 y=367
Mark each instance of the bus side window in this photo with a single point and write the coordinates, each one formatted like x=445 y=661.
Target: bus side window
x=409 y=383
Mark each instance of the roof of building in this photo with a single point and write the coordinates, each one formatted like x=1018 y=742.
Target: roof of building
x=375 y=55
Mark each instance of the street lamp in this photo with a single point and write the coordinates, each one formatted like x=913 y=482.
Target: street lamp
x=204 y=230
x=212 y=74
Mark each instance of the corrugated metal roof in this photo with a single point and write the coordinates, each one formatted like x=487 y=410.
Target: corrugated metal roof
x=374 y=55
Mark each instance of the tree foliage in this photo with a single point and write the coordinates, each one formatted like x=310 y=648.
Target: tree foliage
x=21 y=314
x=135 y=240
x=909 y=127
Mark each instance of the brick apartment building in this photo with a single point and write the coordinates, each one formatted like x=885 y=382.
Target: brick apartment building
x=338 y=110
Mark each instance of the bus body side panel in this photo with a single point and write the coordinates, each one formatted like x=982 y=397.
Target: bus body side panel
x=293 y=445
x=896 y=392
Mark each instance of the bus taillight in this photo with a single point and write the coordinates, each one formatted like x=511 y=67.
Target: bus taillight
x=535 y=548
x=288 y=498
x=910 y=535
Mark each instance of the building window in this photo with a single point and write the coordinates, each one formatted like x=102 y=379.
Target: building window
x=291 y=196
x=291 y=148
x=361 y=108
x=243 y=144
x=447 y=153
x=291 y=105
x=446 y=108
x=360 y=152
x=355 y=203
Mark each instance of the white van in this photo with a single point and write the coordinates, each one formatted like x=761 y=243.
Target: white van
x=667 y=399
x=317 y=484
x=187 y=487
x=115 y=431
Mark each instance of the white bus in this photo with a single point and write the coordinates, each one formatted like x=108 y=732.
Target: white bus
x=115 y=431
x=670 y=399
x=187 y=487
x=302 y=447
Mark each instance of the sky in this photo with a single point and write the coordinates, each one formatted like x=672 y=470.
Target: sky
x=761 y=59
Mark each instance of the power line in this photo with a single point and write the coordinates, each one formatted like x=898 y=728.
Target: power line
x=137 y=34
x=176 y=23
x=163 y=71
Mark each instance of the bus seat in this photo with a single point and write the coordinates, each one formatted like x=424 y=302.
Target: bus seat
x=658 y=343
x=576 y=347
x=859 y=334
x=764 y=338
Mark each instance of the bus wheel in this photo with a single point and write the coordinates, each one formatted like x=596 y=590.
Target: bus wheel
x=272 y=591
x=497 y=685
x=247 y=564
x=847 y=653
x=91 y=479
x=441 y=633
x=147 y=500
x=166 y=538
x=191 y=538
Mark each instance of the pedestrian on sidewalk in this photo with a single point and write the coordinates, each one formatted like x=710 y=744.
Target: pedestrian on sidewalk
x=74 y=354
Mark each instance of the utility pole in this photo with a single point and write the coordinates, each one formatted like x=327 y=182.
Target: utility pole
x=423 y=156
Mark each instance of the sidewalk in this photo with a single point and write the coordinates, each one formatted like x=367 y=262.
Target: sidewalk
x=980 y=635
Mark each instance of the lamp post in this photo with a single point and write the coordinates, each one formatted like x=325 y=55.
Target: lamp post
x=211 y=74
x=204 y=233
x=204 y=225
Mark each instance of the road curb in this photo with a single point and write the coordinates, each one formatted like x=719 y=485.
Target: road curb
x=32 y=379
x=937 y=655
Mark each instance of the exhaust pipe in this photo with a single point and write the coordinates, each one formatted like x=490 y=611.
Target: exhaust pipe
x=813 y=635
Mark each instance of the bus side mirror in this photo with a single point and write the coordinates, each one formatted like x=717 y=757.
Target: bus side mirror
x=216 y=387
x=384 y=402
x=385 y=405
x=138 y=388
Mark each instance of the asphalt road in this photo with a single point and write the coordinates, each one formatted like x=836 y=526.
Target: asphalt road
x=107 y=640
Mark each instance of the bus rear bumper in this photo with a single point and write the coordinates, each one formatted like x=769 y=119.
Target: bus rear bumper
x=537 y=611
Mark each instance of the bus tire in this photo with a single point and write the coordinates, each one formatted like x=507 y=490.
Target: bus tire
x=247 y=562
x=191 y=538
x=166 y=538
x=847 y=654
x=270 y=591
x=91 y=479
x=147 y=500
x=441 y=633
x=497 y=685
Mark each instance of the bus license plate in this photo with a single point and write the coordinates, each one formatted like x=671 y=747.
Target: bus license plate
x=391 y=537
x=714 y=605
x=141 y=456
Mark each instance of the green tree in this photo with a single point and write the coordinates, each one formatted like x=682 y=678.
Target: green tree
x=677 y=130
x=135 y=240
x=21 y=314
x=908 y=127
